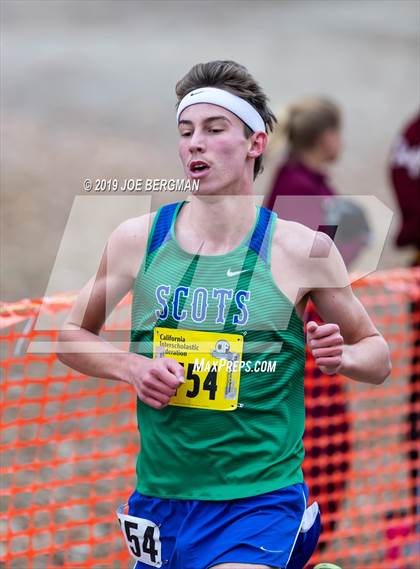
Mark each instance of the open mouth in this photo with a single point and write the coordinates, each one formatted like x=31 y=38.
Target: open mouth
x=198 y=167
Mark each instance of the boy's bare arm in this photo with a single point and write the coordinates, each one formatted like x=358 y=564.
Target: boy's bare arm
x=79 y=344
x=349 y=343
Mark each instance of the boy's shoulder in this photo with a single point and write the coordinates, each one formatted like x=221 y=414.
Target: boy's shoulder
x=309 y=255
x=127 y=243
x=297 y=239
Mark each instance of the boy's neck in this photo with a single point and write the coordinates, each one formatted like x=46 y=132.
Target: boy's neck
x=216 y=224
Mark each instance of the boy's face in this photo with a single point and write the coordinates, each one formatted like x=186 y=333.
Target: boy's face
x=213 y=149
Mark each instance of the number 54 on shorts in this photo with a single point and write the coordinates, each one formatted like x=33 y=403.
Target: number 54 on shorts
x=142 y=538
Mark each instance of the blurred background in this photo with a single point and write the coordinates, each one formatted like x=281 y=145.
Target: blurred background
x=87 y=90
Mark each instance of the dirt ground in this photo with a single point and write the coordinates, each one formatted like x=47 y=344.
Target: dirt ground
x=88 y=91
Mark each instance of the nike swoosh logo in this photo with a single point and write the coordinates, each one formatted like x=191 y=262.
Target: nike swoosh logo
x=236 y=273
x=194 y=94
x=271 y=550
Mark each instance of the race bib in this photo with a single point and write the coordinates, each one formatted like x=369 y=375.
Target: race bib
x=212 y=363
x=142 y=538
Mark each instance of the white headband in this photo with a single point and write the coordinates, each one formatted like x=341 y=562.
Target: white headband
x=222 y=98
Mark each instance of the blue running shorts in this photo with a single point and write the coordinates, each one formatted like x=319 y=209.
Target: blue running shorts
x=276 y=529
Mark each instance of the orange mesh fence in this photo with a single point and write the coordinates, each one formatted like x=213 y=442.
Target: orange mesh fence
x=69 y=444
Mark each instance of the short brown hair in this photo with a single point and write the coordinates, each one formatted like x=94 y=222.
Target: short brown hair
x=308 y=120
x=236 y=79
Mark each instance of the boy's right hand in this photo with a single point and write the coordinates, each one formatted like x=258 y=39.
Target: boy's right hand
x=155 y=380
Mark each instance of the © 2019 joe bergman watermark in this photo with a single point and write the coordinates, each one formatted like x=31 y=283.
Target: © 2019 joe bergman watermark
x=140 y=185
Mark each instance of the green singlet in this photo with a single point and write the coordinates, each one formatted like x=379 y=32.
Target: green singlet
x=235 y=428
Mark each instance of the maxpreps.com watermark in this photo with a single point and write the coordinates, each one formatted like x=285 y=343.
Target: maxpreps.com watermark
x=232 y=366
x=130 y=185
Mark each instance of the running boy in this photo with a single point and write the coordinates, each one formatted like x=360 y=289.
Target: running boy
x=218 y=347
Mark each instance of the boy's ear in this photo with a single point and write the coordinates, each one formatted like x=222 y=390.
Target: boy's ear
x=257 y=144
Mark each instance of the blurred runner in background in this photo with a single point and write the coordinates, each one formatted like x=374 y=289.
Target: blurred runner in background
x=313 y=132
x=405 y=179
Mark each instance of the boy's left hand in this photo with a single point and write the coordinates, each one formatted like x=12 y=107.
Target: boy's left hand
x=326 y=345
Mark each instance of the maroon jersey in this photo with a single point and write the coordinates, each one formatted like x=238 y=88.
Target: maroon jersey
x=295 y=179
x=317 y=209
x=405 y=177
